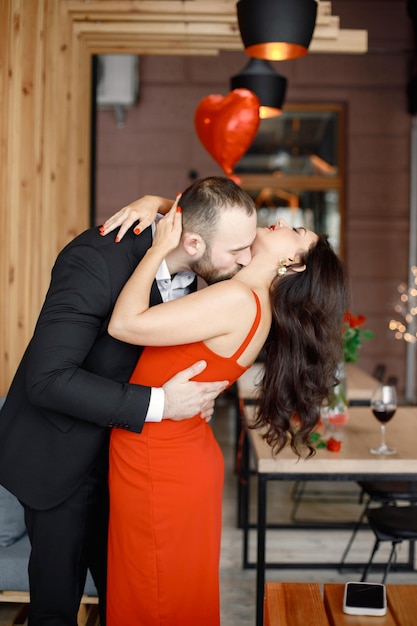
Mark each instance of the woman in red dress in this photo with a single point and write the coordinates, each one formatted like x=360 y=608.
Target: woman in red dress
x=166 y=483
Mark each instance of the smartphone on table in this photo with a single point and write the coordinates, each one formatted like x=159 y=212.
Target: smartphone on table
x=365 y=599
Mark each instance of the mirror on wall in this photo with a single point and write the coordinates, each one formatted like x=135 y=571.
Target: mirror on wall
x=294 y=169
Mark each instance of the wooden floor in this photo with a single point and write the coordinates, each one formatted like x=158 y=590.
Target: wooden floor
x=237 y=584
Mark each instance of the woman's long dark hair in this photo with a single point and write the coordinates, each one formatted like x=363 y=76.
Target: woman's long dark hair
x=303 y=348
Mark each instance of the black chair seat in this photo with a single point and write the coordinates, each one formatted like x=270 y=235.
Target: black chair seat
x=394 y=522
x=382 y=492
x=391 y=523
x=393 y=490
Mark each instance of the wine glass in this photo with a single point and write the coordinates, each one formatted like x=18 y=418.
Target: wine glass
x=384 y=405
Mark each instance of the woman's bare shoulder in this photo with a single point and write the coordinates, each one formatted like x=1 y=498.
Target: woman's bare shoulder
x=232 y=289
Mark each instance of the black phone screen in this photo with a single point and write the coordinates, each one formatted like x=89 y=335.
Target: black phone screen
x=365 y=595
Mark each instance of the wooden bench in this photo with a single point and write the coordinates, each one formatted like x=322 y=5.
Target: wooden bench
x=302 y=604
x=88 y=614
x=294 y=604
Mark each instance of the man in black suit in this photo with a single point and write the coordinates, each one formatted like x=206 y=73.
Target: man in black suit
x=70 y=389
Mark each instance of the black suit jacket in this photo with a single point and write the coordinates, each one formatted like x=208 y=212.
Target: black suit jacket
x=71 y=385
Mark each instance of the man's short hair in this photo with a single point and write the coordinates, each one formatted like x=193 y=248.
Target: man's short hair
x=204 y=201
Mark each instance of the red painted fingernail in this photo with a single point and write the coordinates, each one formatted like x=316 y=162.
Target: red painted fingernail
x=179 y=209
x=117 y=239
x=136 y=230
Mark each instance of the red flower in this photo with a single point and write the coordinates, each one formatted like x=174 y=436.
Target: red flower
x=333 y=445
x=352 y=320
x=353 y=336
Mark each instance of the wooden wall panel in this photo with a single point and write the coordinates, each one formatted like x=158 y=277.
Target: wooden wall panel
x=43 y=198
x=4 y=278
x=22 y=138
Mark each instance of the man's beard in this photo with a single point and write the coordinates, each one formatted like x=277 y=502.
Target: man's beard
x=205 y=268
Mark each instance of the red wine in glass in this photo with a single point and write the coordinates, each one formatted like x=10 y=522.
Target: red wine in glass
x=383 y=405
x=383 y=413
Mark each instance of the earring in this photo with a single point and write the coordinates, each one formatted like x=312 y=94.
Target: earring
x=282 y=268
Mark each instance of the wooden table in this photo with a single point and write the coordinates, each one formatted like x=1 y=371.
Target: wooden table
x=360 y=384
x=353 y=462
x=301 y=604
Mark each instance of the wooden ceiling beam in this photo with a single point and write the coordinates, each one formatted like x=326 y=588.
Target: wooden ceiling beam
x=206 y=25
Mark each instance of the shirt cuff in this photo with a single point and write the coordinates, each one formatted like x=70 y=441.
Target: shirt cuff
x=156 y=405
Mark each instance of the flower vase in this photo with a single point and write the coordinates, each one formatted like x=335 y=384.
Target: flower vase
x=335 y=413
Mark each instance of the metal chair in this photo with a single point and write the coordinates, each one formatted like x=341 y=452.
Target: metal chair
x=383 y=493
x=391 y=523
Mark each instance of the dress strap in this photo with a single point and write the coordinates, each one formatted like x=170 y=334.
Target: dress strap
x=252 y=331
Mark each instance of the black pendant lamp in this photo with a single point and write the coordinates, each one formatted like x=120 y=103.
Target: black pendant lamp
x=261 y=78
x=276 y=29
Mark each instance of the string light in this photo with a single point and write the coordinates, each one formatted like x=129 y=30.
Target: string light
x=407 y=309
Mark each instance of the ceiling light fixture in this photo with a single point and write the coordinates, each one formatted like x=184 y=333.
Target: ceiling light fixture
x=276 y=29
x=260 y=77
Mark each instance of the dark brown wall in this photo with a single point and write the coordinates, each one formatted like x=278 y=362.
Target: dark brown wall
x=158 y=147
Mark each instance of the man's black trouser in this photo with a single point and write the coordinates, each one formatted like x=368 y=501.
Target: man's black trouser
x=66 y=541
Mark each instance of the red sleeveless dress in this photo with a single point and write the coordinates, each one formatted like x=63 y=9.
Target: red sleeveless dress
x=165 y=504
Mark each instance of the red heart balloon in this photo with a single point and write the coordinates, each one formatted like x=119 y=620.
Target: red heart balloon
x=226 y=126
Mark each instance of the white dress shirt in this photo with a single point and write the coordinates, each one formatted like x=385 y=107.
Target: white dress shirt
x=170 y=288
